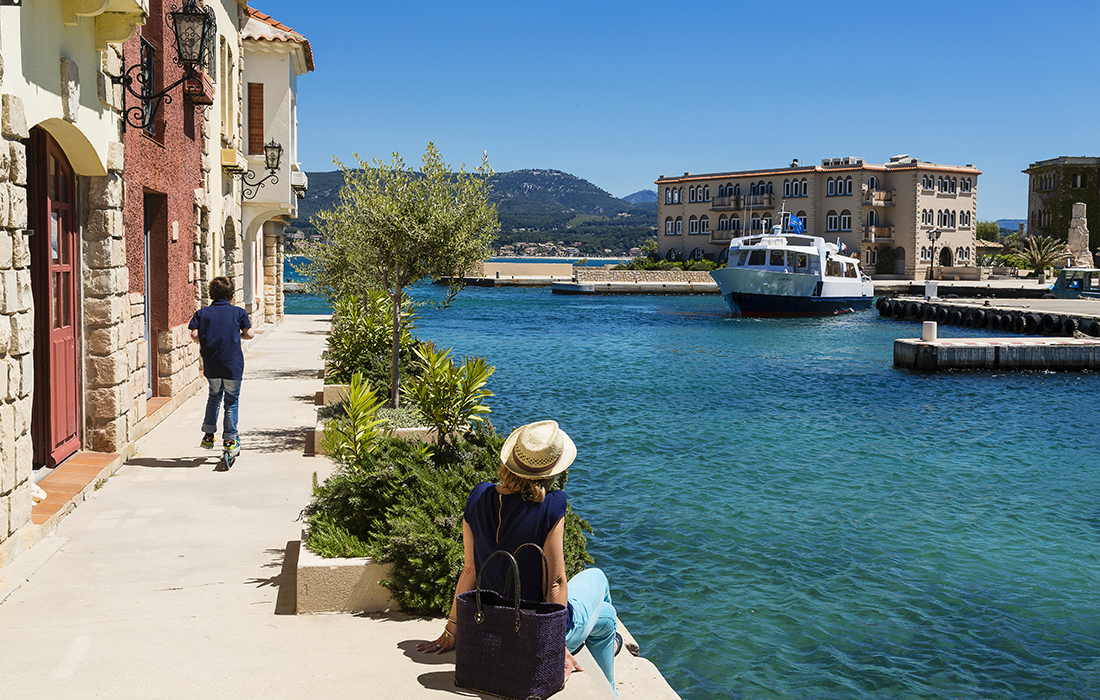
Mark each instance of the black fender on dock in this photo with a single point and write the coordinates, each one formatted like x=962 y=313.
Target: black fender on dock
x=913 y=309
x=1049 y=323
x=1069 y=326
x=928 y=312
x=1090 y=326
x=883 y=306
x=956 y=318
x=1032 y=323
x=1008 y=320
x=977 y=319
x=899 y=309
x=1019 y=323
x=993 y=320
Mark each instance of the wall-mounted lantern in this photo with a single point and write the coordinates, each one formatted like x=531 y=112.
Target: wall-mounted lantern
x=273 y=155
x=194 y=29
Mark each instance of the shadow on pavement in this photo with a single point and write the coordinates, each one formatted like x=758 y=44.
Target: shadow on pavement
x=274 y=440
x=174 y=463
x=445 y=681
x=409 y=648
x=286 y=560
x=269 y=374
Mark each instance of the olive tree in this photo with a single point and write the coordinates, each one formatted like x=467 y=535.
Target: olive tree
x=393 y=226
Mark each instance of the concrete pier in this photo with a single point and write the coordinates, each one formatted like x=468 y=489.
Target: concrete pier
x=1003 y=354
x=640 y=287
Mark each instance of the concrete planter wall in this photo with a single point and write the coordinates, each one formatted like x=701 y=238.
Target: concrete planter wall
x=341 y=585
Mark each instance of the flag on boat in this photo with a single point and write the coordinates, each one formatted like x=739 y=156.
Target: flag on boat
x=796 y=224
x=843 y=247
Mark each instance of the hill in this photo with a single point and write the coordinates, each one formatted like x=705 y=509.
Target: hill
x=534 y=206
x=641 y=197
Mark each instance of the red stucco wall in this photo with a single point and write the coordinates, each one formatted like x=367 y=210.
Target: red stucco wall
x=163 y=170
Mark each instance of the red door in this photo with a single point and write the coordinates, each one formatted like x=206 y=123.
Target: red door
x=54 y=273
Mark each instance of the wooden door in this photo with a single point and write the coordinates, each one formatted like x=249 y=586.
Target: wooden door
x=54 y=275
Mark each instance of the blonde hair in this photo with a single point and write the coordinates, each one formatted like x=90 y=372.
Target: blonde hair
x=533 y=490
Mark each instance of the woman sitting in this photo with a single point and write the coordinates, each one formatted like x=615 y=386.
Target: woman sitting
x=520 y=510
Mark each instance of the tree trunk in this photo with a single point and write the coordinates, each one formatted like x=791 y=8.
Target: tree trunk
x=395 y=355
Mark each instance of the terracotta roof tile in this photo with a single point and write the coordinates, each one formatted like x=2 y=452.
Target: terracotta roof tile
x=283 y=33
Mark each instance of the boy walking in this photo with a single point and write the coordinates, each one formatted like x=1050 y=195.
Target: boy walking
x=218 y=330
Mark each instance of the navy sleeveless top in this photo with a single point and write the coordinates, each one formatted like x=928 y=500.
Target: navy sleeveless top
x=500 y=521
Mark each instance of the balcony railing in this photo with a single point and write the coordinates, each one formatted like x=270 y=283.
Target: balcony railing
x=878 y=198
x=878 y=233
x=758 y=201
x=725 y=236
x=725 y=203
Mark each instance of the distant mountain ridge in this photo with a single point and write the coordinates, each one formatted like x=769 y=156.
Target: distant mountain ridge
x=533 y=205
x=641 y=197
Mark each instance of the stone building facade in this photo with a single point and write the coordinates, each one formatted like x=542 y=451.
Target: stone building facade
x=882 y=212
x=1054 y=186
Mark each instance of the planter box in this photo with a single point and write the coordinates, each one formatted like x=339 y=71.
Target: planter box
x=313 y=441
x=341 y=585
x=334 y=393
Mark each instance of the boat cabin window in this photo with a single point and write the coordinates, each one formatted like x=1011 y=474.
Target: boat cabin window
x=776 y=258
x=833 y=268
x=801 y=262
x=742 y=258
x=850 y=270
x=756 y=258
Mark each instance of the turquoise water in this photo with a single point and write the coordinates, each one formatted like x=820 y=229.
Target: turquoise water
x=785 y=515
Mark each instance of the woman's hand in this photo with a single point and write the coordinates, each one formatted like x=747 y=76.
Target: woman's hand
x=445 y=643
x=570 y=665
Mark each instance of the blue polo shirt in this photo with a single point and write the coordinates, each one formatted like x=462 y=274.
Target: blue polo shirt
x=220 y=326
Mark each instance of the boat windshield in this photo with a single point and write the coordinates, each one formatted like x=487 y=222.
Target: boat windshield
x=785 y=260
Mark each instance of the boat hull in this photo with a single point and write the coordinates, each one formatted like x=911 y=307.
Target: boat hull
x=774 y=306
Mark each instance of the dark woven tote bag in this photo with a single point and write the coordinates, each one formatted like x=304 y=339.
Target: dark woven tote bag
x=509 y=648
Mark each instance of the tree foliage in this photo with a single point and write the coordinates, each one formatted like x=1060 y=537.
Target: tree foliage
x=1039 y=253
x=988 y=231
x=393 y=226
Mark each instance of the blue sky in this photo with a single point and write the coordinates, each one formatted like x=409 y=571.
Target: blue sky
x=619 y=93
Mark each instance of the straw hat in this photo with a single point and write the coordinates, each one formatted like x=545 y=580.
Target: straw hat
x=538 y=450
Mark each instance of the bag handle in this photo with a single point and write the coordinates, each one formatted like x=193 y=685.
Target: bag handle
x=479 y=617
x=545 y=569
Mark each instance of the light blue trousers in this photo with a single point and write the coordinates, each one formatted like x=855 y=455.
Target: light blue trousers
x=228 y=390
x=593 y=620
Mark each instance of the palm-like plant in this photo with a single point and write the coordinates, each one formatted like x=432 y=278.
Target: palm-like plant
x=1040 y=252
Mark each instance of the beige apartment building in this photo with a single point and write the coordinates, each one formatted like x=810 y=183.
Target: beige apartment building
x=884 y=213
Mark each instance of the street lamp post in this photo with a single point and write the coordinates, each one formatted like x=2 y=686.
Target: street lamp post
x=933 y=236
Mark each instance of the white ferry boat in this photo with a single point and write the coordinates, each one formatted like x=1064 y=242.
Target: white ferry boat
x=791 y=274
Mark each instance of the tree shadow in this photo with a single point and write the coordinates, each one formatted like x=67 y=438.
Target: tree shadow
x=275 y=440
x=278 y=374
x=286 y=560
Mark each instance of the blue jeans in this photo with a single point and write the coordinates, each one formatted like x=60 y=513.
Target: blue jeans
x=230 y=390
x=593 y=620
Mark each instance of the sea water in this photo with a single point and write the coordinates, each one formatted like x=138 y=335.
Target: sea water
x=783 y=514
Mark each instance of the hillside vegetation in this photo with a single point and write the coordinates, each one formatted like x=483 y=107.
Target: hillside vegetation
x=535 y=206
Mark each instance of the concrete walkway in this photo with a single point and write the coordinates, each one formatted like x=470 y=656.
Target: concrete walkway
x=176 y=581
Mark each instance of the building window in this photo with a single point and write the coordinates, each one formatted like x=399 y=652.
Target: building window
x=805 y=221
x=872 y=183
x=786 y=188
x=736 y=190
x=735 y=223
x=679 y=225
x=872 y=218
x=704 y=224
x=706 y=193
x=679 y=195
x=805 y=188
x=693 y=225
x=848 y=186
x=766 y=223
x=723 y=222
x=1078 y=181
x=755 y=222
x=846 y=218
x=668 y=196
x=668 y=226
x=952 y=224
x=769 y=188
x=830 y=187
x=832 y=221
x=255 y=118
x=721 y=190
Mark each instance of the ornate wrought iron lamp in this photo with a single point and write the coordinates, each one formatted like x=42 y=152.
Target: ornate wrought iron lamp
x=273 y=155
x=195 y=29
x=933 y=236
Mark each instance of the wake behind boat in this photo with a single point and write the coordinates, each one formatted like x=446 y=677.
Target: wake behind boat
x=791 y=274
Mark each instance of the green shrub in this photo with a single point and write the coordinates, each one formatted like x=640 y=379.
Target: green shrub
x=351 y=437
x=450 y=396
x=700 y=266
x=361 y=336
x=403 y=504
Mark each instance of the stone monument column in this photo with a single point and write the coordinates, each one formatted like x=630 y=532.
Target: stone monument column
x=1079 y=237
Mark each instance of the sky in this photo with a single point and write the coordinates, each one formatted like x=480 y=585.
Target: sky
x=619 y=93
